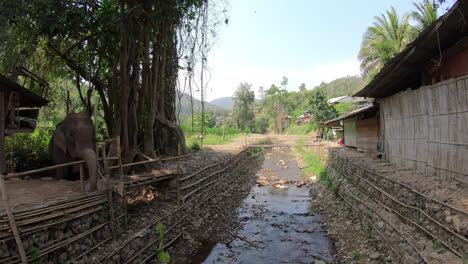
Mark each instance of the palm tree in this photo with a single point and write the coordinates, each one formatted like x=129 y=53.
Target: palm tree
x=425 y=14
x=388 y=36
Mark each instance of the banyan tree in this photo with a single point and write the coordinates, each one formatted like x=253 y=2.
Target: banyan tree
x=128 y=52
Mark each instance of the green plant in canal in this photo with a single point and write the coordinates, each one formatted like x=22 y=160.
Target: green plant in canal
x=35 y=251
x=161 y=254
x=356 y=255
x=437 y=245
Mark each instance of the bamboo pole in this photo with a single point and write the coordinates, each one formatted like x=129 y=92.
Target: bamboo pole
x=109 y=193
x=43 y=169
x=11 y=220
x=121 y=182
x=179 y=150
x=83 y=188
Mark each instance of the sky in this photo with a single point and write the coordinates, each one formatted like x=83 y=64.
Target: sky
x=308 y=41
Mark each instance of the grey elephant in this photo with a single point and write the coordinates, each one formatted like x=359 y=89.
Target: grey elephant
x=74 y=139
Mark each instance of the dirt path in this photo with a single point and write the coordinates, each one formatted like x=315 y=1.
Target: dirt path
x=278 y=226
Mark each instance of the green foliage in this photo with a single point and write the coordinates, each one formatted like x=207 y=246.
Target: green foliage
x=303 y=129
x=343 y=86
x=35 y=251
x=356 y=255
x=388 y=36
x=276 y=105
x=345 y=107
x=255 y=150
x=161 y=254
x=218 y=131
x=209 y=120
x=194 y=146
x=437 y=245
x=259 y=125
x=321 y=111
x=368 y=231
x=425 y=14
x=27 y=151
x=244 y=98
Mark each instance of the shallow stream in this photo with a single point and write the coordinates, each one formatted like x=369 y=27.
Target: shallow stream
x=279 y=226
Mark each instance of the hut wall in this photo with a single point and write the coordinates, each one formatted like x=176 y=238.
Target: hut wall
x=427 y=129
x=367 y=134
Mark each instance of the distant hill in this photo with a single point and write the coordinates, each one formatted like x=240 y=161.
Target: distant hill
x=224 y=102
x=343 y=86
x=185 y=109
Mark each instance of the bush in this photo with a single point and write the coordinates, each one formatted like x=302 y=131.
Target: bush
x=195 y=146
x=27 y=151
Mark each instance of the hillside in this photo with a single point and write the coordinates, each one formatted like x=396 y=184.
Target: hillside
x=343 y=86
x=185 y=110
x=223 y=102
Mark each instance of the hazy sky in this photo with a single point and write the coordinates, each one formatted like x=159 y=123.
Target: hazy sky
x=308 y=41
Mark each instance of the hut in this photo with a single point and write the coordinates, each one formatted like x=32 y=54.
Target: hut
x=19 y=109
x=360 y=128
x=423 y=99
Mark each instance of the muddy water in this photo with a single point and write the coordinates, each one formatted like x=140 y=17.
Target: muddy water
x=279 y=226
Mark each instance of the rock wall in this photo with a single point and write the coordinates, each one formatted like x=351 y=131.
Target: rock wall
x=381 y=199
x=60 y=232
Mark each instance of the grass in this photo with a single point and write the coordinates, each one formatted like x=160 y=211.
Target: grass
x=213 y=139
x=437 y=245
x=315 y=166
x=356 y=255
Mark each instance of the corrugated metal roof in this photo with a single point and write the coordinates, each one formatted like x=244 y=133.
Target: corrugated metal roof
x=404 y=70
x=336 y=99
x=351 y=114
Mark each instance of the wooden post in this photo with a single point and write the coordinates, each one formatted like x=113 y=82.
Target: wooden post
x=11 y=220
x=83 y=188
x=109 y=192
x=121 y=182
x=224 y=128
x=179 y=152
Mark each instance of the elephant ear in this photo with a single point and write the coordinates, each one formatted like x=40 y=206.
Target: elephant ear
x=59 y=139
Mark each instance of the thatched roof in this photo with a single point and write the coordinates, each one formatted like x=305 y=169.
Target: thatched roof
x=404 y=70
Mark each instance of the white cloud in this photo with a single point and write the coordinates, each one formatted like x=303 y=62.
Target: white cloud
x=226 y=78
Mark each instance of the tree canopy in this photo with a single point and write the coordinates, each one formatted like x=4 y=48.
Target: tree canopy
x=244 y=97
x=128 y=53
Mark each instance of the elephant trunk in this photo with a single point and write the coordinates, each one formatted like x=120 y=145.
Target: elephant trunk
x=89 y=156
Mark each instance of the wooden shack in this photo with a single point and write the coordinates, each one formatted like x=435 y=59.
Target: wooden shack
x=19 y=109
x=423 y=99
x=361 y=128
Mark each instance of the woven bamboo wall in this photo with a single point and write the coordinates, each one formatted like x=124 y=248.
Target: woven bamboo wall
x=427 y=129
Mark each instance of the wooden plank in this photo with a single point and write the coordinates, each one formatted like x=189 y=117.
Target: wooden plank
x=462 y=95
x=11 y=220
x=452 y=97
x=443 y=94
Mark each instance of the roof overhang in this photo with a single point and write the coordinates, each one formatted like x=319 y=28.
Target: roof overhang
x=27 y=98
x=362 y=110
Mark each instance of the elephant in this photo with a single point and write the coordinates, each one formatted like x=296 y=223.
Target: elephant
x=74 y=139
